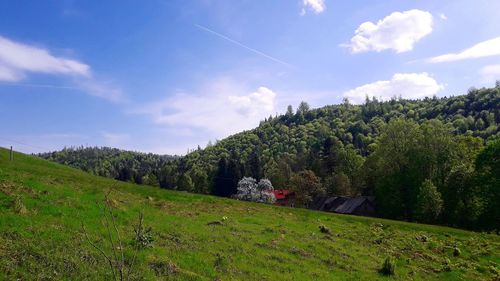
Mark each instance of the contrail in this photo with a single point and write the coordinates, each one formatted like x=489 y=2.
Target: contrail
x=40 y=86
x=244 y=46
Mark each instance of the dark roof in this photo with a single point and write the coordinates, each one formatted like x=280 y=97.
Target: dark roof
x=362 y=205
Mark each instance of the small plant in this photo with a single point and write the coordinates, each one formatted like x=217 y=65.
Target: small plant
x=120 y=268
x=456 y=252
x=219 y=262
x=143 y=236
x=388 y=267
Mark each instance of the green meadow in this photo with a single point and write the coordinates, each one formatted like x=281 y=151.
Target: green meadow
x=52 y=215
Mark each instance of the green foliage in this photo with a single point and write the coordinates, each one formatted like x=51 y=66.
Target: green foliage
x=257 y=242
x=429 y=202
x=306 y=186
x=143 y=237
x=140 y=168
x=382 y=148
x=488 y=182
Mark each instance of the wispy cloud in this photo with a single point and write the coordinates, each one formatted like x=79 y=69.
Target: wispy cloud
x=490 y=73
x=483 y=49
x=243 y=45
x=398 y=31
x=406 y=85
x=115 y=139
x=317 y=6
x=17 y=60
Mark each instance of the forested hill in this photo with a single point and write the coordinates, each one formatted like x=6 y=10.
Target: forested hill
x=141 y=168
x=333 y=138
x=402 y=151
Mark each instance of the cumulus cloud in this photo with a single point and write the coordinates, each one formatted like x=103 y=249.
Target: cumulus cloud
x=222 y=107
x=406 y=85
x=17 y=59
x=317 y=6
x=399 y=31
x=255 y=104
x=483 y=49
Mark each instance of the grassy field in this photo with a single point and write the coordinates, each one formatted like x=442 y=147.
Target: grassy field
x=44 y=205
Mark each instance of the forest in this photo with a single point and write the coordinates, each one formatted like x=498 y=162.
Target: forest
x=137 y=167
x=434 y=160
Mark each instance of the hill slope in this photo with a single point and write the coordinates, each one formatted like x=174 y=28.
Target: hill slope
x=43 y=205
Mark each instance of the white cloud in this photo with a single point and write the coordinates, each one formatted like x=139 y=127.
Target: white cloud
x=17 y=58
x=255 y=104
x=224 y=107
x=490 y=73
x=317 y=6
x=406 y=85
x=398 y=31
x=102 y=89
x=443 y=16
x=9 y=74
x=484 y=49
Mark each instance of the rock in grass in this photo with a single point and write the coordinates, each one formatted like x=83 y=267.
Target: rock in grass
x=388 y=267
x=324 y=229
x=215 y=223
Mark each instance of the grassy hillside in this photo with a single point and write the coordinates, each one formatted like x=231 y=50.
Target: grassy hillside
x=43 y=205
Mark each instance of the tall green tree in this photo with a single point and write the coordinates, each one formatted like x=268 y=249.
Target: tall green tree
x=306 y=186
x=488 y=180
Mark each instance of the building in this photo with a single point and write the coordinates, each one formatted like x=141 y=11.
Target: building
x=284 y=197
x=360 y=206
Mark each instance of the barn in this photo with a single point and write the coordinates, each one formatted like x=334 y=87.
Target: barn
x=360 y=206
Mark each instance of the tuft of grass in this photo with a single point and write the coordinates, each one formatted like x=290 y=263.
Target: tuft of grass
x=18 y=206
x=388 y=267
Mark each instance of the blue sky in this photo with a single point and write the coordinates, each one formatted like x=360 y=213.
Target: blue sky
x=166 y=76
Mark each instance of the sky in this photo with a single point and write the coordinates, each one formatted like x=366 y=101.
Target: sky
x=165 y=76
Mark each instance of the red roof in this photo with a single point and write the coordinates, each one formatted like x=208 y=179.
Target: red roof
x=282 y=193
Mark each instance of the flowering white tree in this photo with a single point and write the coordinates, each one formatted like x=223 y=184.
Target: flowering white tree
x=265 y=189
x=249 y=190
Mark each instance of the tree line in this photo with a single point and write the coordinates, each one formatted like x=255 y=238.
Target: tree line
x=429 y=160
